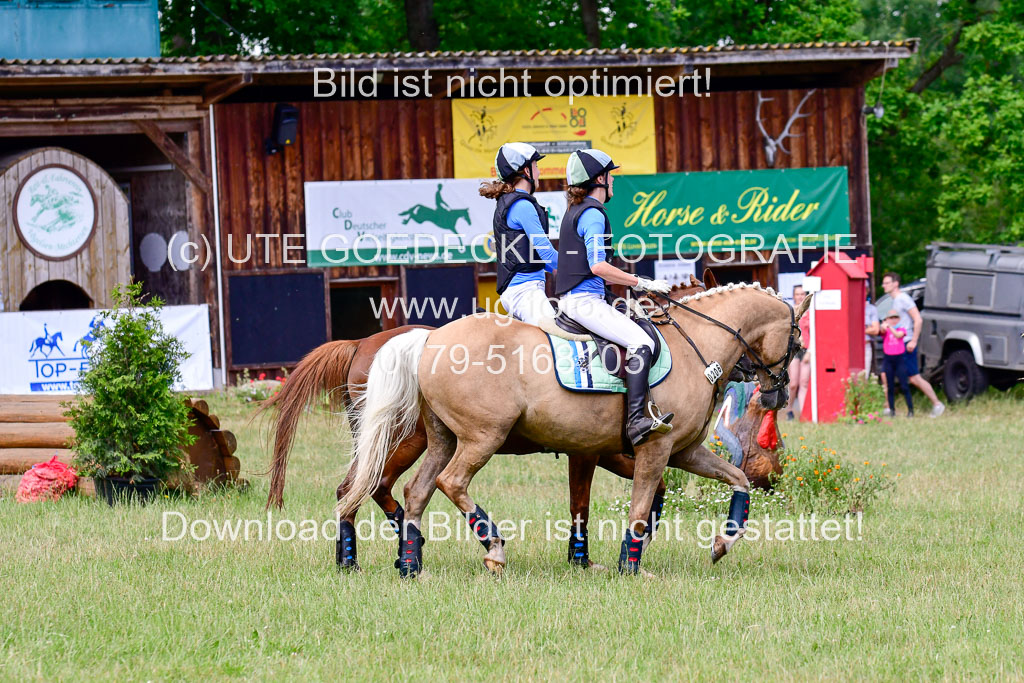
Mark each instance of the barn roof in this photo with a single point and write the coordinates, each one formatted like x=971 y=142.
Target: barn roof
x=852 y=62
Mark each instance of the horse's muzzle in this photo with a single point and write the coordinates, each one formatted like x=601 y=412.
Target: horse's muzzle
x=776 y=399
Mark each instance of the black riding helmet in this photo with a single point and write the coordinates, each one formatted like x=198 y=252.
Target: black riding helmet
x=587 y=164
x=514 y=159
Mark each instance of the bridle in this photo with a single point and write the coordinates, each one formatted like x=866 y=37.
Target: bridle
x=777 y=379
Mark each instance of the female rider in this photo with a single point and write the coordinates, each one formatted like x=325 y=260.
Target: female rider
x=520 y=233
x=584 y=273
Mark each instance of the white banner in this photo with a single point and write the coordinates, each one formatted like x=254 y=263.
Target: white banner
x=377 y=222
x=674 y=271
x=43 y=350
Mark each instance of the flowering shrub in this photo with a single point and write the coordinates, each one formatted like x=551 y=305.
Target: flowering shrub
x=815 y=481
x=251 y=390
x=864 y=400
x=812 y=481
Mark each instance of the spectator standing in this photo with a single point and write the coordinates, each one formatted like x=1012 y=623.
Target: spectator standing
x=870 y=329
x=894 y=364
x=800 y=366
x=910 y=320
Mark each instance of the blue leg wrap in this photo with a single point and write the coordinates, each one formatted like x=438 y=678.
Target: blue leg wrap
x=739 y=509
x=655 y=517
x=579 y=547
x=482 y=527
x=396 y=518
x=346 y=546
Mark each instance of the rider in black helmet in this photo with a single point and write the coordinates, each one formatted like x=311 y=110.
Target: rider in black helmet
x=584 y=251
x=521 y=233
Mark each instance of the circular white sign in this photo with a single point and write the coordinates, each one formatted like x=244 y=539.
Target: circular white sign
x=54 y=212
x=153 y=250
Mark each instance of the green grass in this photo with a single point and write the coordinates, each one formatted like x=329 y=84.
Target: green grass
x=932 y=590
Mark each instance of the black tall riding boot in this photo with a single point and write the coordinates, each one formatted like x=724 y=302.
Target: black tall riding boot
x=639 y=424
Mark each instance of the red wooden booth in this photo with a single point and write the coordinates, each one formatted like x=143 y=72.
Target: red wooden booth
x=837 y=332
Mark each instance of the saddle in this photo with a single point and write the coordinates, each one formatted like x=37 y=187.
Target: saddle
x=611 y=354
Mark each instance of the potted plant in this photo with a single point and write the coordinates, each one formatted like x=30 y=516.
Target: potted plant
x=131 y=430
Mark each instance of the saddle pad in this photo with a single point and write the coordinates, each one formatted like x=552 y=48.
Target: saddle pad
x=578 y=367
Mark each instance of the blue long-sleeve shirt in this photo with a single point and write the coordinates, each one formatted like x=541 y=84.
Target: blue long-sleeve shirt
x=591 y=228
x=522 y=216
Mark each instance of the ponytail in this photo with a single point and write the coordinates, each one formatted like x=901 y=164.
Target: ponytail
x=576 y=194
x=495 y=188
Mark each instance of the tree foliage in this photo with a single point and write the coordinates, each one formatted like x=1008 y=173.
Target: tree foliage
x=946 y=159
x=130 y=422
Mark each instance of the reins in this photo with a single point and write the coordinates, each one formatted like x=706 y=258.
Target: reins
x=758 y=363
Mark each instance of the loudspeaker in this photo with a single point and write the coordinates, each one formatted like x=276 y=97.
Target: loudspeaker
x=285 y=130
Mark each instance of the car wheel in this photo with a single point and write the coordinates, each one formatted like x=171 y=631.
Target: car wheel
x=962 y=378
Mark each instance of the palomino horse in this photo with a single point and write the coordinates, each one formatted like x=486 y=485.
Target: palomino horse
x=417 y=376
x=338 y=370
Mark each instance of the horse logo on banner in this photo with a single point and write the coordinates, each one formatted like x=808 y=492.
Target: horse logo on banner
x=48 y=340
x=441 y=215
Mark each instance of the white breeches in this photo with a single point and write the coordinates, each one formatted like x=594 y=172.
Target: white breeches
x=528 y=302
x=598 y=316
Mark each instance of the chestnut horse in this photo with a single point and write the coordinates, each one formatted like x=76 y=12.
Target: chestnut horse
x=416 y=378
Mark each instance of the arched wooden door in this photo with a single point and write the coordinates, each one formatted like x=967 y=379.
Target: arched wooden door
x=62 y=218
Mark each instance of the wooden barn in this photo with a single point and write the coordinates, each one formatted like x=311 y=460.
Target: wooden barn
x=201 y=168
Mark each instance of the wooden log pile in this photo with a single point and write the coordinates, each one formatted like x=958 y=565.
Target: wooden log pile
x=33 y=429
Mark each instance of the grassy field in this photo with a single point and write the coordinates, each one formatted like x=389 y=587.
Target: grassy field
x=932 y=589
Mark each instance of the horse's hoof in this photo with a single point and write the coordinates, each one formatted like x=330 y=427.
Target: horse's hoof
x=597 y=567
x=723 y=544
x=718 y=549
x=646 y=574
x=349 y=567
x=494 y=567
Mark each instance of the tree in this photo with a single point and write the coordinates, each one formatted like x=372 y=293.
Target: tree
x=947 y=158
x=421 y=27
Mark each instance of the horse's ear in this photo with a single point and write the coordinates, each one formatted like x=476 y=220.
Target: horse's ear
x=709 y=279
x=804 y=305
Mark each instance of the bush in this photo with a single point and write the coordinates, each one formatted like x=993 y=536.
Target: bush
x=815 y=481
x=130 y=423
x=864 y=400
x=812 y=481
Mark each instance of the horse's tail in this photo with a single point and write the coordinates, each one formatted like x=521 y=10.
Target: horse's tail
x=323 y=369
x=386 y=412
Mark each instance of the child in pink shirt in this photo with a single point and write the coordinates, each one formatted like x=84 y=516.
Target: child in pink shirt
x=894 y=365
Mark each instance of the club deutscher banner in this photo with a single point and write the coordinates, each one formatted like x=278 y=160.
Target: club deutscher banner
x=621 y=126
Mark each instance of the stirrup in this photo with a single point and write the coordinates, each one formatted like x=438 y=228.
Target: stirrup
x=661 y=420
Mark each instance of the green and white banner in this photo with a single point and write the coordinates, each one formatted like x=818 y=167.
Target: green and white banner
x=379 y=222
x=685 y=213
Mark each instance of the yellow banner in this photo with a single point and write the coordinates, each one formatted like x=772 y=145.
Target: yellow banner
x=623 y=127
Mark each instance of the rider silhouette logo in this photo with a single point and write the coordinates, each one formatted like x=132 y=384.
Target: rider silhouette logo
x=441 y=215
x=49 y=341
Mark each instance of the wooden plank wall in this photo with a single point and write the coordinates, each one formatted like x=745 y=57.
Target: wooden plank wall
x=106 y=259
x=375 y=140
x=391 y=139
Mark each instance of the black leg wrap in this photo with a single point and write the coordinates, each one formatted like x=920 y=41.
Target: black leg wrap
x=410 y=552
x=396 y=518
x=482 y=527
x=629 y=555
x=345 y=554
x=739 y=509
x=655 y=517
x=579 y=547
